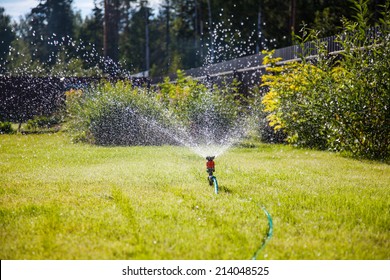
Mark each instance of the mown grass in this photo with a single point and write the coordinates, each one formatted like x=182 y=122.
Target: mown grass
x=74 y=201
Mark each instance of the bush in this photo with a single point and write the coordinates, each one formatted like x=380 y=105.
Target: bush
x=338 y=105
x=209 y=114
x=117 y=114
x=263 y=130
x=185 y=112
x=361 y=103
x=295 y=102
x=6 y=128
x=44 y=122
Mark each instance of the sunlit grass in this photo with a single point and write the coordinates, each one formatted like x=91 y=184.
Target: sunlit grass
x=73 y=201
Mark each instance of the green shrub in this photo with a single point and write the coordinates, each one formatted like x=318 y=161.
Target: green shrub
x=361 y=103
x=6 y=128
x=117 y=114
x=338 y=105
x=44 y=122
x=181 y=112
x=208 y=114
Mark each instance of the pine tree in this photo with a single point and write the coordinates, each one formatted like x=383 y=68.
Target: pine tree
x=7 y=35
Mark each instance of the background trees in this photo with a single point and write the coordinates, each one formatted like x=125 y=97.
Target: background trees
x=52 y=21
x=178 y=34
x=7 y=35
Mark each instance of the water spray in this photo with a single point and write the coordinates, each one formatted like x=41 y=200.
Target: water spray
x=210 y=168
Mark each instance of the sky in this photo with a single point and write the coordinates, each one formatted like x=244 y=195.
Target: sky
x=17 y=8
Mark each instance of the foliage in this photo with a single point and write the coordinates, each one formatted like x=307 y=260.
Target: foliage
x=67 y=66
x=362 y=99
x=44 y=122
x=265 y=132
x=90 y=32
x=50 y=42
x=7 y=35
x=20 y=62
x=24 y=97
x=212 y=111
x=50 y=20
x=120 y=114
x=340 y=105
x=6 y=128
x=180 y=32
x=177 y=95
x=116 y=114
x=295 y=102
x=132 y=40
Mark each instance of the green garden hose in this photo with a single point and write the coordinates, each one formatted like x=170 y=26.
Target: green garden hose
x=215 y=184
x=267 y=236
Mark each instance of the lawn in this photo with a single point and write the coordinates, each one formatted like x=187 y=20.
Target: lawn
x=60 y=200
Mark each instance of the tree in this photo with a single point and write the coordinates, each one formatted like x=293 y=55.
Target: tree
x=133 y=39
x=111 y=29
x=59 y=18
x=7 y=35
x=182 y=34
x=50 y=24
x=91 y=34
x=167 y=12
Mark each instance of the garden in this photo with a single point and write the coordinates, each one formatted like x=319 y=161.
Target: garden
x=118 y=171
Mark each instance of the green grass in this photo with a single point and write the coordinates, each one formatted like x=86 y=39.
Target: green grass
x=74 y=201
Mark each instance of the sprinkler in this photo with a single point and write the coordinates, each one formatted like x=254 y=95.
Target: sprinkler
x=210 y=168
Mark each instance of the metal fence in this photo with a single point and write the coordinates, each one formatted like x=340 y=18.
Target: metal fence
x=249 y=69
